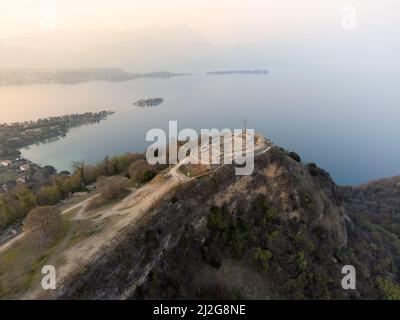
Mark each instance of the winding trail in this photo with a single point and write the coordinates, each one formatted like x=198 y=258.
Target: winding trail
x=129 y=210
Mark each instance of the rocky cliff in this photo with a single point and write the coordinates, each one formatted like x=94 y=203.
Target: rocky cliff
x=285 y=232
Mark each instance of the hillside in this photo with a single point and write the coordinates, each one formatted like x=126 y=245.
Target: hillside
x=283 y=233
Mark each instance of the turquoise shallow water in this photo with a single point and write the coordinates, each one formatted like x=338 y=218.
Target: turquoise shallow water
x=346 y=124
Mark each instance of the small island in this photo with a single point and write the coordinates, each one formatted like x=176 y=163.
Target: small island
x=152 y=102
x=261 y=71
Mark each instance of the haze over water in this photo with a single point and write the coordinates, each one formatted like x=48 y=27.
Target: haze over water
x=332 y=93
x=349 y=129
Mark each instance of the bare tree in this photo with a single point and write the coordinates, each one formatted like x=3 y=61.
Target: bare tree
x=43 y=223
x=112 y=187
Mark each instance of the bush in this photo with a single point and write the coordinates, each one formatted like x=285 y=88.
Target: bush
x=137 y=168
x=15 y=205
x=303 y=264
x=148 y=175
x=43 y=223
x=295 y=156
x=389 y=289
x=67 y=184
x=217 y=221
x=316 y=171
x=262 y=257
x=49 y=195
x=269 y=216
x=110 y=188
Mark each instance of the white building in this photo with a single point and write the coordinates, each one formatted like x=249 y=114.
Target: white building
x=5 y=163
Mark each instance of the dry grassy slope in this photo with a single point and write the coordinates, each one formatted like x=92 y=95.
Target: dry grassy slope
x=175 y=253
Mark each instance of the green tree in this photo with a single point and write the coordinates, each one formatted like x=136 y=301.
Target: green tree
x=389 y=289
x=79 y=168
x=49 y=195
x=262 y=257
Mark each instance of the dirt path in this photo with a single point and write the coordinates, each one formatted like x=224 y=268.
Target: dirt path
x=81 y=205
x=129 y=211
x=10 y=242
x=21 y=235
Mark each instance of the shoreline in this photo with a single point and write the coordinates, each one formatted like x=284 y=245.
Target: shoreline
x=21 y=77
x=16 y=169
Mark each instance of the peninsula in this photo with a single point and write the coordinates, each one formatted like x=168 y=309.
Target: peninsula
x=44 y=76
x=14 y=136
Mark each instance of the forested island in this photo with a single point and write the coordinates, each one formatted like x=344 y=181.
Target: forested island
x=238 y=72
x=44 y=76
x=152 y=102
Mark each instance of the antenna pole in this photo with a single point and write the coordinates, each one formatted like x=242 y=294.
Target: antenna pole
x=245 y=125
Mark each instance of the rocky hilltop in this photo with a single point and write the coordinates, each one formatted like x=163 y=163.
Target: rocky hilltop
x=285 y=232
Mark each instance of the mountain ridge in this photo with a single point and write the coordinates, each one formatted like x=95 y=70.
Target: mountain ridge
x=283 y=233
x=155 y=48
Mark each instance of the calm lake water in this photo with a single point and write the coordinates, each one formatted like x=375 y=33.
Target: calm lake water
x=346 y=123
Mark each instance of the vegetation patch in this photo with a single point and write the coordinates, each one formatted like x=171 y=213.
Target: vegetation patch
x=20 y=265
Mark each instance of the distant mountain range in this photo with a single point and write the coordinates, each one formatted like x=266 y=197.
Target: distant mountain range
x=155 y=48
x=180 y=48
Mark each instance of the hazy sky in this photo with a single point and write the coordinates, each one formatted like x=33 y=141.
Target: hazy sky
x=219 y=21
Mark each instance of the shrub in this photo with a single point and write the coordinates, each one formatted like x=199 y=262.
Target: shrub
x=112 y=187
x=303 y=264
x=307 y=201
x=270 y=215
x=389 y=289
x=15 y=205
x=216 y=220
x=313 y=169
x=262 y=257
x=295 y=156
x=141 y=171
x=148 y=175
x=49 y=195
x=43 y=223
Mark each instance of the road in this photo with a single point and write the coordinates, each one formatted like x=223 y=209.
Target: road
x=7 y=244
x=10 y=242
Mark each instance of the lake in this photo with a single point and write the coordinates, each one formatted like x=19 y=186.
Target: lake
x=348 y=124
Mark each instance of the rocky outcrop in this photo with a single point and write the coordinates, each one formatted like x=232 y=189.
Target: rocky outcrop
x=188 y=246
